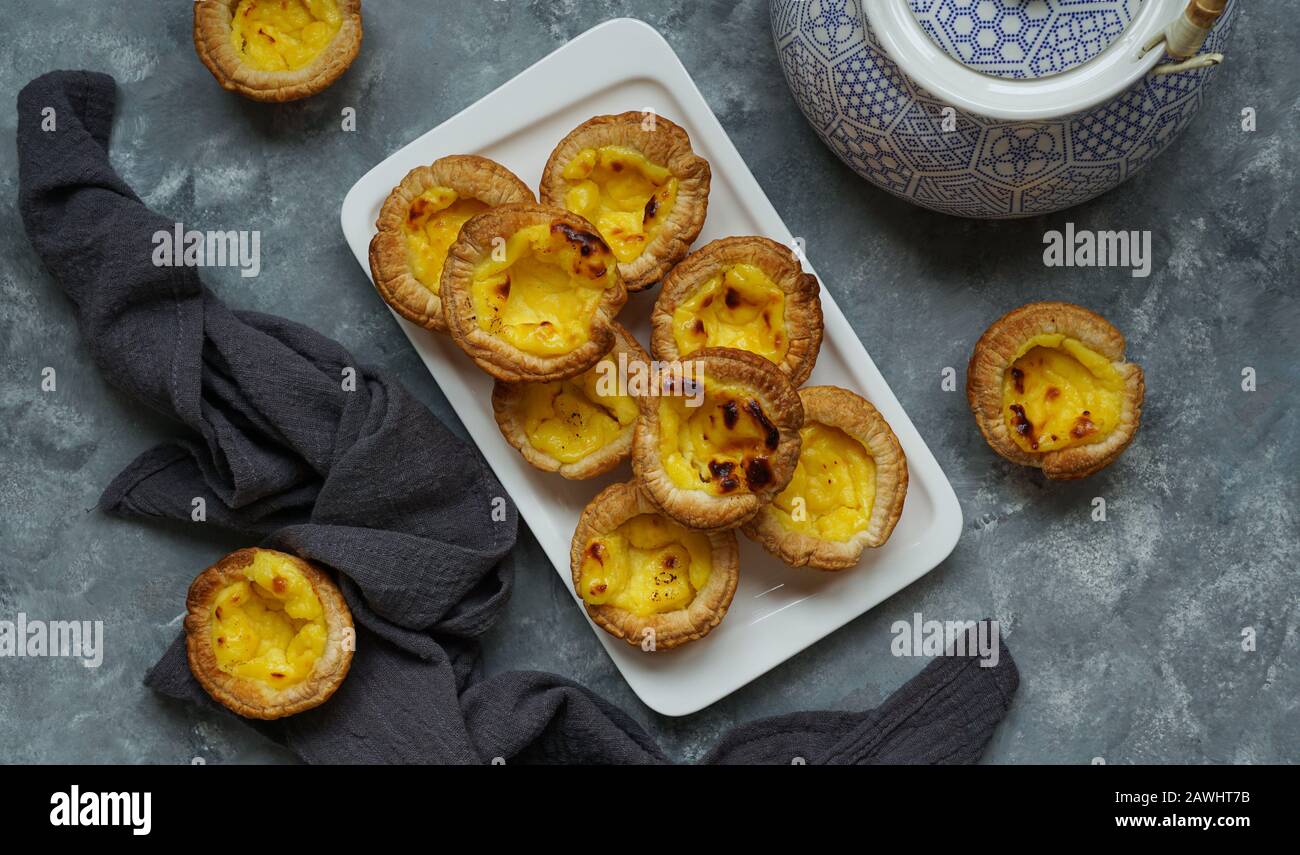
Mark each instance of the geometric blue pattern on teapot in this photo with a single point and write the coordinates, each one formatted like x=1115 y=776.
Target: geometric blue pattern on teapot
x=904 y=139
x=1024 y=38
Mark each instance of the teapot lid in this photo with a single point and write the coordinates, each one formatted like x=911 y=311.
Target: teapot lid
x=1077 y=53
x=1024 y=39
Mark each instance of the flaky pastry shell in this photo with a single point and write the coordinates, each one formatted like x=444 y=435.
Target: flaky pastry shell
x=508 y=397
x=494 y=355
x=612 y=507
x=856 y=416
x=701 y=509
x=252 y=698
x=661 y=142
x=212 y=20
x=472 y=177
x=803 y=305
x=993 y=355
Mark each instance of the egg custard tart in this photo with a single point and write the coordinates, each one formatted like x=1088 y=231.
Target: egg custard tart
x=267 y=634
x=1050 y=388
x=578 y=427
x=420 y=221
x=636 y=177
x=848 y=488
x=748 y=293
x=720 y=440
x=530 y=293
x=647 y=579
x=277 y=50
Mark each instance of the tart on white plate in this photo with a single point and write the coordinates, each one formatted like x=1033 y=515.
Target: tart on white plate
x=647 y=579
x=636 y=177
x=848 y=488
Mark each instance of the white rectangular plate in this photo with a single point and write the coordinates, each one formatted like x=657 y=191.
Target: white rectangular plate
x=622 y=65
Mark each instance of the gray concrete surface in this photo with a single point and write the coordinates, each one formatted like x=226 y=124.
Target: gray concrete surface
x=1127 y=632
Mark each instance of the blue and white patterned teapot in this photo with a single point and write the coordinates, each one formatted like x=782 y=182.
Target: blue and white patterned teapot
x=999 y=108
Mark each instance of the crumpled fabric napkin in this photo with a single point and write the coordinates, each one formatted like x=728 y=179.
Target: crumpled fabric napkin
x=367 y=482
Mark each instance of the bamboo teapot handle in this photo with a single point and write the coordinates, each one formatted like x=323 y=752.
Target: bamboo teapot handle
x=1186 y=35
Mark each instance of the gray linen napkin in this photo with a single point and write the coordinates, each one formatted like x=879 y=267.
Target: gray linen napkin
x=370 y=484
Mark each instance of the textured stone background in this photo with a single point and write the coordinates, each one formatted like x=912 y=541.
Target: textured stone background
x=1126 y=632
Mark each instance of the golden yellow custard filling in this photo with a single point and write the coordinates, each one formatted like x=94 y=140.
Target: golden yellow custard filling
x=1058 y=394
x=539 y=290
x=283 y=35
x=646 y=566
x=432 y=224
x=624 y=194
x=570 y=419
x=723 y=445
x=740 y=307
x=270 y=626
x=834 y=486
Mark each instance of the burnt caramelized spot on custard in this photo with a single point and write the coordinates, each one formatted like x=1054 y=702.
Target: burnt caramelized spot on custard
x=725 y=473
x=758 y=472
x=586 y=242
x=596 y=552
x=416 y=212
x=1083 y=426
x=730 y=414
x=731 y=298
x=1023 y=426
x=593 y=254
x=772 y=436
x=1018 y=377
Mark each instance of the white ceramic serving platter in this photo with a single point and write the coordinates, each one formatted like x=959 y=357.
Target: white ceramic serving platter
x=778 y=611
